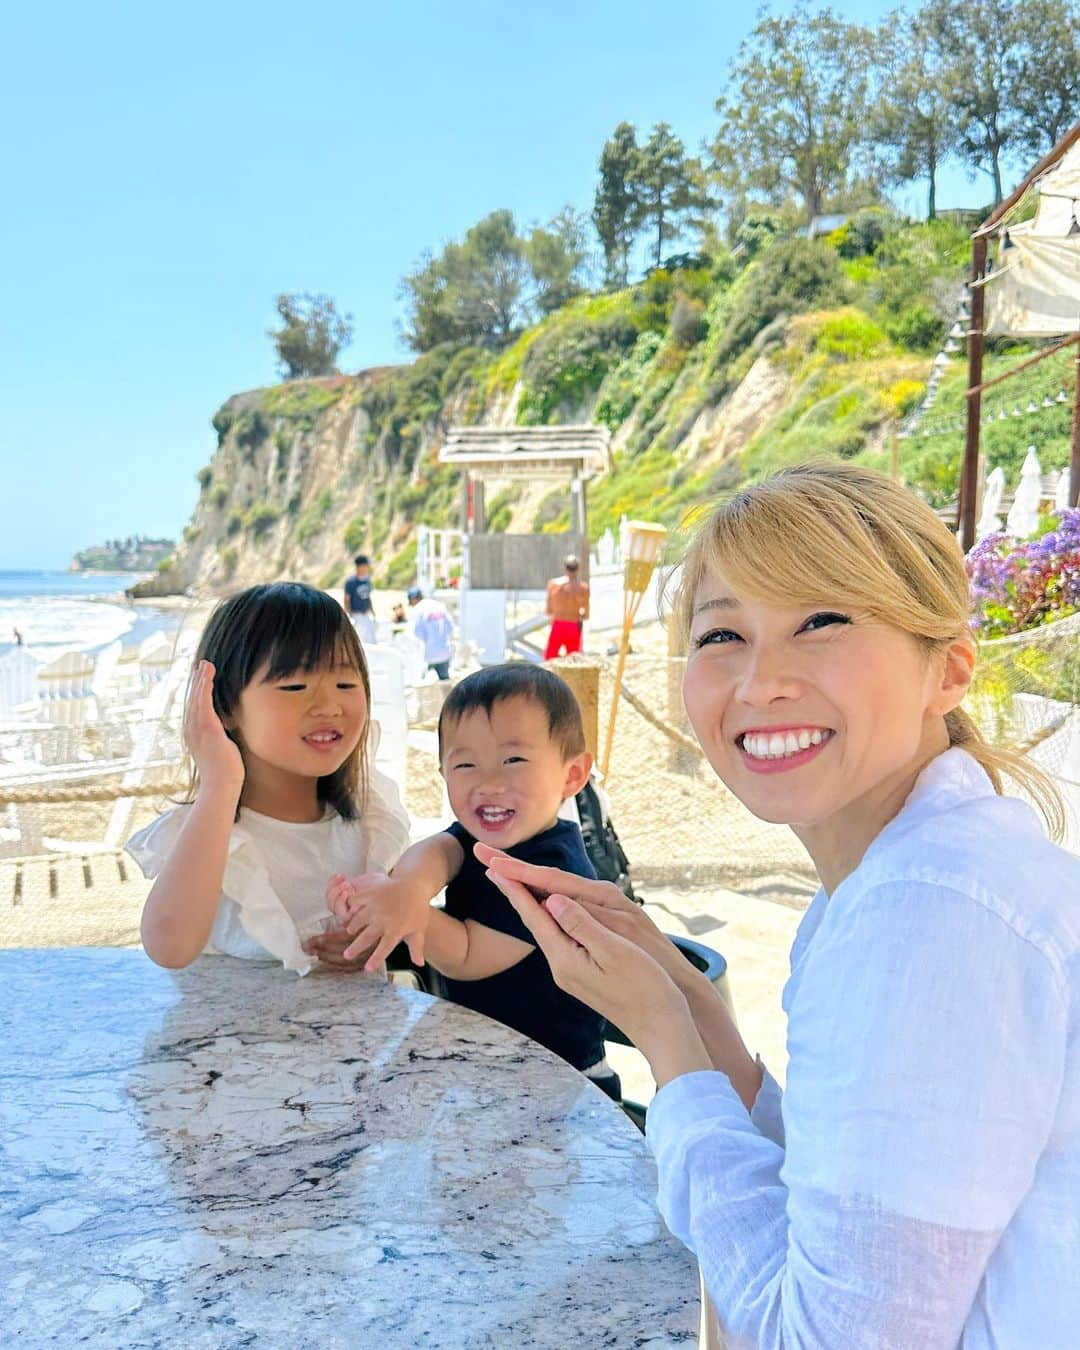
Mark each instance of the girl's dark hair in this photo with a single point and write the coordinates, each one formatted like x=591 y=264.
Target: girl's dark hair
x=281 y=628
x=518 y=679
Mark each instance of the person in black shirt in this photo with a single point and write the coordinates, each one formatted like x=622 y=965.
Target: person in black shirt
x=512 y=749
x=358 y=604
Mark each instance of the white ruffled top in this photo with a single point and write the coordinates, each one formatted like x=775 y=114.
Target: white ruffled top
x=272 y=893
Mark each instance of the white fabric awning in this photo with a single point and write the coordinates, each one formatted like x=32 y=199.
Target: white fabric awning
x=1036 y=291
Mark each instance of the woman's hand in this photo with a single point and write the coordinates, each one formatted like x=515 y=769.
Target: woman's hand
x=605 y=902
x=217 y=758
x=613 y=976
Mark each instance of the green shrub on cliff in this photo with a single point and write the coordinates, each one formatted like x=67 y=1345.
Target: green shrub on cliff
x=261 y=517
x=565 y=365
x=311 y=522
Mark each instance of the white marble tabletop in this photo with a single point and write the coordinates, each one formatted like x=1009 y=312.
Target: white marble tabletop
x=229 y=1156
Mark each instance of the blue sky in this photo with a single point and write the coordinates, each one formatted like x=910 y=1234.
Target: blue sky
x=174 y=168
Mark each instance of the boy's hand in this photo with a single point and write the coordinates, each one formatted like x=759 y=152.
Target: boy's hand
x=381 y=913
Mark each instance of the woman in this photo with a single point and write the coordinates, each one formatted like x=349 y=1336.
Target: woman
x=919 y=1185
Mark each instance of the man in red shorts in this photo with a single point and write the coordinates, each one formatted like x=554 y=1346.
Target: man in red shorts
x=568 y=605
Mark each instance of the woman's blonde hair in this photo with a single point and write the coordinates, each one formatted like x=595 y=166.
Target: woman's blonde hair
x=829 y=531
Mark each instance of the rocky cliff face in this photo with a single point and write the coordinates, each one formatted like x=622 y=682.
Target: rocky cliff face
x=707 y=374
x=307 y=474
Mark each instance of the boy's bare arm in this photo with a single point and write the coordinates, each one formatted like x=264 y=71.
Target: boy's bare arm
x=467 y=950
x=382 y=911
x=180 y=909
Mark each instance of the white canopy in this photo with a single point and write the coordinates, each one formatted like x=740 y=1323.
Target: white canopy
x=1036 y=290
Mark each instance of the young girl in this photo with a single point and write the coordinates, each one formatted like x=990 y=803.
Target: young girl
x=918 y=1184
x=282 y=796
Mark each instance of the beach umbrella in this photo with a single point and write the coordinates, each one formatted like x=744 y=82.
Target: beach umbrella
x=990 y=521
x=1061 y=493
x=1023 y=517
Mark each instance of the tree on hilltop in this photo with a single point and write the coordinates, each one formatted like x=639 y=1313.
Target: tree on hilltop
x=982 y=62
x=668 y=186
x=793 y=119
x=913 y=124
x=558 y=254
x=473 y=291
x=483 y=289
x=1048 y=95
x=311 y=336
x=615 y=204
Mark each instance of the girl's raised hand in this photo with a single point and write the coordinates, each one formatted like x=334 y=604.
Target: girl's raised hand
x=217 y=758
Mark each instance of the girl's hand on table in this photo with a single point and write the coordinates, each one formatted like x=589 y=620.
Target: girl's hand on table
x=330 y=948
x=613 y=976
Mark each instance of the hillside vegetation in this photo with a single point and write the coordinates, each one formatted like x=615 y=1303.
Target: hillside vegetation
x=711 y=371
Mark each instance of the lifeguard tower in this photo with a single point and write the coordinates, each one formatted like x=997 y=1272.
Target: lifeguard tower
x=494 y=566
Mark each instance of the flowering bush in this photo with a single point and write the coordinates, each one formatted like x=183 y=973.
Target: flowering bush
x=1018 y=584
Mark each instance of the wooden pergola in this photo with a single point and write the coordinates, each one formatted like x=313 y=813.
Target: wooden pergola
x=560 y=454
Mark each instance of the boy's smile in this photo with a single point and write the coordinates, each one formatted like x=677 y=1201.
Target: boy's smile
x=505 y=777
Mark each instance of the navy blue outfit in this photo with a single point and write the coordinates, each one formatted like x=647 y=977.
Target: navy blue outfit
x=525 y=997
x=358 y=589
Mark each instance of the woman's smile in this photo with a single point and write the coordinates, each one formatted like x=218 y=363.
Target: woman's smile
x=778 y=749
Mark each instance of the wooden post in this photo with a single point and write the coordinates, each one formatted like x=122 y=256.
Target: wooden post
x=644 y=544
x=582 y=674
x=969 y=472
x=1074 y=458
x=679 y=757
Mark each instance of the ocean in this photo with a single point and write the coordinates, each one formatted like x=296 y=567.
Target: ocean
x=56 y=612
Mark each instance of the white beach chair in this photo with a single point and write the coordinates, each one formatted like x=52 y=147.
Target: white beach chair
x=411 y=650
x=18 y=682
x=65 y=688
x=155 y=658
x=386 y=670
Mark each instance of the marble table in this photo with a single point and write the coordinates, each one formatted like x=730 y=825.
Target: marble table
x=229 y=1156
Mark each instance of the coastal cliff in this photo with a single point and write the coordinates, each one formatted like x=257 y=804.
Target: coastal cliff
x=709 y=372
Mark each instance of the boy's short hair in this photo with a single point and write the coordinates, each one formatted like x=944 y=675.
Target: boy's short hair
x=518 y=679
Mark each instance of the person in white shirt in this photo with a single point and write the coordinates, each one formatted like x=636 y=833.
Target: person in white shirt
x=278 y=728
x=917 y=1184
x=435 y=629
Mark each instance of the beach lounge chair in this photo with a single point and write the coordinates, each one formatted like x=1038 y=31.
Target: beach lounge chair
x=18 y=683
x=65 y=688
x=386 y=670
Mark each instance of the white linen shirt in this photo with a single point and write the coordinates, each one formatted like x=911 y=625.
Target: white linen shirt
x=918 y=1185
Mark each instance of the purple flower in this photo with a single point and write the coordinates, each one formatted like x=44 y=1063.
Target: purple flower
x=1019 y=584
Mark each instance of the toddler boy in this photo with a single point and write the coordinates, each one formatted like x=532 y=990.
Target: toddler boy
x=511 y=749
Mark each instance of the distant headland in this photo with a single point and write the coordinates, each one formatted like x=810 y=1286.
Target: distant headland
x=134 y=554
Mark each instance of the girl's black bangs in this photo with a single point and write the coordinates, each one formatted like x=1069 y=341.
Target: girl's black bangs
x=294 y=636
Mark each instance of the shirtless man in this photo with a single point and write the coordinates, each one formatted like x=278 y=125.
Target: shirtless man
x=568 y=605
